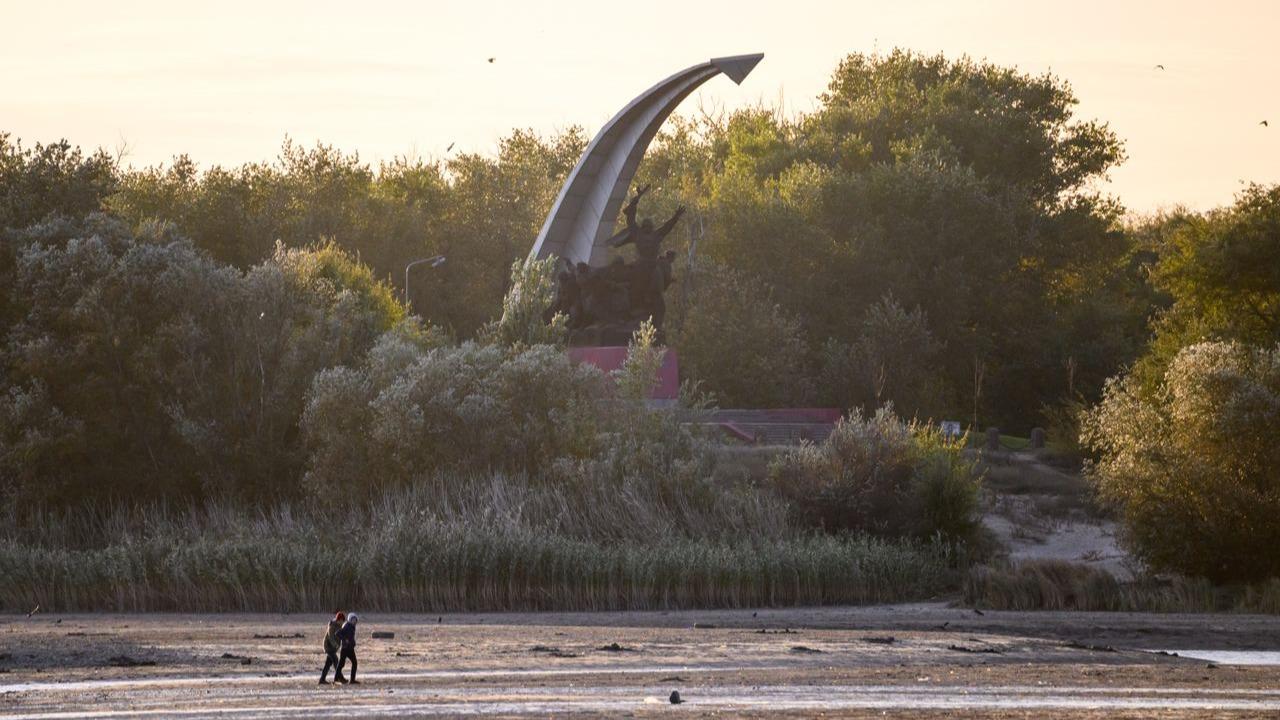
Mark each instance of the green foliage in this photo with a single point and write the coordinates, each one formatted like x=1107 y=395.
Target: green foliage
x=480 y=212
x=947 y=487
x=459 y=544
x=882 y=476
x=927 y=237
x=532 y=290
x=1193 y=466
x=1220 y=273
x=893 y=360
x=1013 y=129
x=653 y=447
x=739 y=342
x=51 y=179
x=638 y=375
x=408 y=413
x=962 y=190
x=959 y=188
x=152 y=371
x=1181 y=440
x=107 y=321
x=1062 y=425
x=331 y=277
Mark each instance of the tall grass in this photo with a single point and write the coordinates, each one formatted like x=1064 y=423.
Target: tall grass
x=479 y=543
x=1058 y=585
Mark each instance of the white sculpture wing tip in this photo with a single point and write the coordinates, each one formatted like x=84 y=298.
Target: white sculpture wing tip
x=738 y=67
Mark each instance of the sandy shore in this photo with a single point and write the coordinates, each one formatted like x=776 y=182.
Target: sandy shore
x=922 y=660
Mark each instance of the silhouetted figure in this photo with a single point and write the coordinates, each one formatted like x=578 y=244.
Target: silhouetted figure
x=347 y=639
x=606 y=304
x=568 y=298
x=646 y=238
x=666 y=263
x=331 y=650
x=648 y=277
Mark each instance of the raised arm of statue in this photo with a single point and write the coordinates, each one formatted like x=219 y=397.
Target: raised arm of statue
x=630 y=210
x=666 y=227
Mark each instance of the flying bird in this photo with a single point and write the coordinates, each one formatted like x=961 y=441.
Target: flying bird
x=450 y=147
x=1264 y=123
x=491 y=60
x=1159 y=67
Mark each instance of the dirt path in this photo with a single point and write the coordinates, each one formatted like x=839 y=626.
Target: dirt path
x=1040 y=512
x=909 y=661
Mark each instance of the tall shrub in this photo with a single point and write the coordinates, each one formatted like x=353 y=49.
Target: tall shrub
x=1194 y=466
x=882 y=476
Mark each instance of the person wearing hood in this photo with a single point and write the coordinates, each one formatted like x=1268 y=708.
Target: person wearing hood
x=331 y=649
x=347 y=640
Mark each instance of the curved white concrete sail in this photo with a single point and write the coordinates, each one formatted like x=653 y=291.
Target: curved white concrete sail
x=587 y=207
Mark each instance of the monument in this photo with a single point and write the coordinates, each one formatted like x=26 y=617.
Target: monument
x=606 y=305
x=606 y=298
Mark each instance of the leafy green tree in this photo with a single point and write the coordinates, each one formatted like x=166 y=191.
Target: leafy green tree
x=879 y=475
x=635 y=380
x=38 y=182
x=46 y=179
x=101 y=310
x=482 y=213
x=151 y=371
x=467 y=408
x=1221 y=273
x=1193 y=466
x=894 y=360
x=533 y=289
x=1013 y=130
x=497 y=206
x=744 y=348
x=962 y=188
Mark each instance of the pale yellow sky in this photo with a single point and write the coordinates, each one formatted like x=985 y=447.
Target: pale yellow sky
x=225 y=82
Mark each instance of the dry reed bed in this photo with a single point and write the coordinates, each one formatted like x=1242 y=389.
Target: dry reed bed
x=1057 y=585
x=438 y=567
x=459 y=543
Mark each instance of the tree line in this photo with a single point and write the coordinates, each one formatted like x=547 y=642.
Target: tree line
x=932 y=235
x=935 y=235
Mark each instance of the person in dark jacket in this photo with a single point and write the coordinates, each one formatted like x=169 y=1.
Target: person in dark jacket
x=347 y=639
x=331 y=649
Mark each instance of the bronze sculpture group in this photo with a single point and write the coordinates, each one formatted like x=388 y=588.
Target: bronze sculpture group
x=605 y=305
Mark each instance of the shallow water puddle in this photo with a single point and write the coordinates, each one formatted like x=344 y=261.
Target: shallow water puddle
x=1230 y=657
x=601 y=699
x=373 y=677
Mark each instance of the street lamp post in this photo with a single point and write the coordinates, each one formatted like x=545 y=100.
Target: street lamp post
x=435 y=261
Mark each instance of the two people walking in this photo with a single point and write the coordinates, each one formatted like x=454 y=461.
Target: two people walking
x=339 y=647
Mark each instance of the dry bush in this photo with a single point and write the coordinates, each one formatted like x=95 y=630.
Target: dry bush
x=478 y=543
x=882 y=476
x=1061 y=585
x=1194 y=466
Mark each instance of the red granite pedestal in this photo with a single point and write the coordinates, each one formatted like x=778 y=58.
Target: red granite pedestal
x=667 y=389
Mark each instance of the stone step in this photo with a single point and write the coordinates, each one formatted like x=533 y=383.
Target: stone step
x=775 y=416
x=775 y=433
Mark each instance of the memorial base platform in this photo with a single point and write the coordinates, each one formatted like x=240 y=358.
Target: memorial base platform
x=666 y=391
